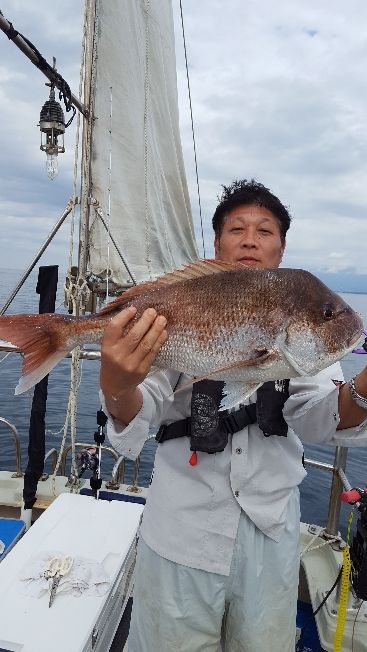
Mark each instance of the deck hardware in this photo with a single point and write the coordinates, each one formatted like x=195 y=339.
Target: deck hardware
x=134 y=488
x=73 y=482
x=118 y=473
x=313 y=529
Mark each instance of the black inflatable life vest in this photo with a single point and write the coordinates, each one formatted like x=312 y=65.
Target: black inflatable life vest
x=208 y=428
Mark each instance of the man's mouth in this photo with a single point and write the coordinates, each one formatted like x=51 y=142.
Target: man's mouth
x=248 y=261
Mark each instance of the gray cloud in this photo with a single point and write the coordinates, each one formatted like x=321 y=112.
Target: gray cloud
x=278 y=94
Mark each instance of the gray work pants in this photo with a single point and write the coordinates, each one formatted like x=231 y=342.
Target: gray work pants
x=181 y=609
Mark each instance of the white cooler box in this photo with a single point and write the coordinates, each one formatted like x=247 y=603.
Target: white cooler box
x=81 y=526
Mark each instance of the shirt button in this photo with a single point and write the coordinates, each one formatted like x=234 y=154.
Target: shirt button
x=236 y=493
x=239 y=451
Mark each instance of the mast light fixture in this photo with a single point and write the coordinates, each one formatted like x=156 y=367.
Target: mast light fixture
x=52 y=127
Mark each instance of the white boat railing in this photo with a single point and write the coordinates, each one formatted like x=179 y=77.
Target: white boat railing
x=18 y=457
x=339 y=479
x=54 y=455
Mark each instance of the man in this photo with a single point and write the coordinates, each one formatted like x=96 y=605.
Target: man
x=218 y=555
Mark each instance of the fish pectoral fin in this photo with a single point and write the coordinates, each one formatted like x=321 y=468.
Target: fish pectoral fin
x=236 y=393
x=260 y=356
x=264 y=355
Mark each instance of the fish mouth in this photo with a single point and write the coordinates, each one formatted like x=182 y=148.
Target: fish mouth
x=357 y=336
x=356 y=339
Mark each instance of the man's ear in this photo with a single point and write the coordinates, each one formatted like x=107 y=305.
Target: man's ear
x=283 y=250
x=216 y=246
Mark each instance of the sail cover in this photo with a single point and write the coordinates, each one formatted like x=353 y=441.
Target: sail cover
x=137 y=169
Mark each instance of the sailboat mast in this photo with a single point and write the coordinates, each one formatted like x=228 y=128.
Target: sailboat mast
x=90 y=17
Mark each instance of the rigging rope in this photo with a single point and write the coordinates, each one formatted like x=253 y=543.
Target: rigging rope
x=74 y=386
x=77 y=139
x=100 y=214
x=89 y=85
x=192 y=129
x=146 y=111
x=109 y=198
x=318 y=534
x=70 y=418
x=75 y=293
x=74 y=296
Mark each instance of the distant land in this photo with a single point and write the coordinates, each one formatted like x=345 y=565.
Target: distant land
x=343 y=281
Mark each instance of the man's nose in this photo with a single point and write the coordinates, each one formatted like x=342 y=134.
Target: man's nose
x=249 y=238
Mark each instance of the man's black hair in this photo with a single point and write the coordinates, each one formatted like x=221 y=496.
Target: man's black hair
x=250 y=192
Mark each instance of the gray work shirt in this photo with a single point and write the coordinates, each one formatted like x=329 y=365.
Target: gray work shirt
x=192 y=512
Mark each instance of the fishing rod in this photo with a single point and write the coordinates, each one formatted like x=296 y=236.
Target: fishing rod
x=91 y=458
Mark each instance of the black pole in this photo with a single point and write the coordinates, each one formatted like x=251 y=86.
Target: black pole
x=46 y=288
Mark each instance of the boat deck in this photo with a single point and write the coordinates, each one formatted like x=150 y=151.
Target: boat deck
x=319 y=568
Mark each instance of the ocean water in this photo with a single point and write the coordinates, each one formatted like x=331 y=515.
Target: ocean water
x=314 y=489
x=16 y=409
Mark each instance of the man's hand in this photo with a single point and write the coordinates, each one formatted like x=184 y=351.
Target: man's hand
x=126 y=360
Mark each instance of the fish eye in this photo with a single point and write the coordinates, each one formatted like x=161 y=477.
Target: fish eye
x=328 y=312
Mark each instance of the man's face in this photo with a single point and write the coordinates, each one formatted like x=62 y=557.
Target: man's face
x=250 y=235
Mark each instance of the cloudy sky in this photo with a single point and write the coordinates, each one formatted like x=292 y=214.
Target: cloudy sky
x=279 y=93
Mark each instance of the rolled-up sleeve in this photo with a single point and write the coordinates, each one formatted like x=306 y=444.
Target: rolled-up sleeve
x=157 y=391
x=312 y=410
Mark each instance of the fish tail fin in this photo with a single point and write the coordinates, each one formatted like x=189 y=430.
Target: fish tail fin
x=42 y=339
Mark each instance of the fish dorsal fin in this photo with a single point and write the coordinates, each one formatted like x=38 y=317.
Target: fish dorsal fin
x=191 y=271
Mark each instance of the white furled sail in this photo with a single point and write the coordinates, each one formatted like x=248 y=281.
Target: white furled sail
x=137 y=169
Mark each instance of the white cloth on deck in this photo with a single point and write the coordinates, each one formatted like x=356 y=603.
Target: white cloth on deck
x=86 y=576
